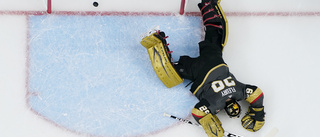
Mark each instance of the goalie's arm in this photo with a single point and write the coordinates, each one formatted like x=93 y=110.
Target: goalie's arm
x=254 y=96
x=254 y=118
x=210 y=122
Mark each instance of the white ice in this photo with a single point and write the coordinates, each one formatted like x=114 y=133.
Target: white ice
x=277 y=53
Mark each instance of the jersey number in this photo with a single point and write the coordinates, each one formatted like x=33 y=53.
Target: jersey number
x=219 y=85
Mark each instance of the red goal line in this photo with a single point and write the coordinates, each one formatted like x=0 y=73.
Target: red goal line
x=181 y=12
x=107 y=13
x=272 y=13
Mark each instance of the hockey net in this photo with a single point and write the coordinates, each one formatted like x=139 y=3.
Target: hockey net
x=181 y=11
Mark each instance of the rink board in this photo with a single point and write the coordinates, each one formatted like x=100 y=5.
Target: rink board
x=90 y=75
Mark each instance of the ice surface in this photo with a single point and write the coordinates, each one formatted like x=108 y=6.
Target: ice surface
x=277 y=53
x=90 y=74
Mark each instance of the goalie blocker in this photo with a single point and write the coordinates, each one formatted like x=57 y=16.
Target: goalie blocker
x=160 y=58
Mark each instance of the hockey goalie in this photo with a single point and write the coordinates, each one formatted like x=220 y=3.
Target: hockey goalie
x=216 y=88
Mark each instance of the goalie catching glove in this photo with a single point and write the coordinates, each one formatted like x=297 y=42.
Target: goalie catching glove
x=160 y=57
x=254 y=119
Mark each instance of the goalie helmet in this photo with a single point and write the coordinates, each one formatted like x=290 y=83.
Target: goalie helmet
x=233 y=108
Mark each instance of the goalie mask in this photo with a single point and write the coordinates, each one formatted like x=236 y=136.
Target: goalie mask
x=232 y=108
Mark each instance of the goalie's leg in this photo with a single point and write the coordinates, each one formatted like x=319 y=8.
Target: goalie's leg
x=215 y=21
x=160 y=57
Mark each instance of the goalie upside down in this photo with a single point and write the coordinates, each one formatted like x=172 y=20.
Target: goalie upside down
x=213 y=84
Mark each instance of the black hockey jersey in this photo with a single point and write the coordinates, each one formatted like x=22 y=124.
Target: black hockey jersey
x=217 y=86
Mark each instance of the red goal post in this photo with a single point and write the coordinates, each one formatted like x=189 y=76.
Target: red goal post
x=49 y=6
x=182 y=6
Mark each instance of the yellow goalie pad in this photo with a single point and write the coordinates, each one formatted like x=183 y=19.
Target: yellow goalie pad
x=160 y=61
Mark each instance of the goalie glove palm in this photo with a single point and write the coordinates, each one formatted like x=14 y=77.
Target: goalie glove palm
x=254 y=119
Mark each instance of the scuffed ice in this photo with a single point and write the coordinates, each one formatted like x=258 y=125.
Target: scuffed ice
x=92 y=76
